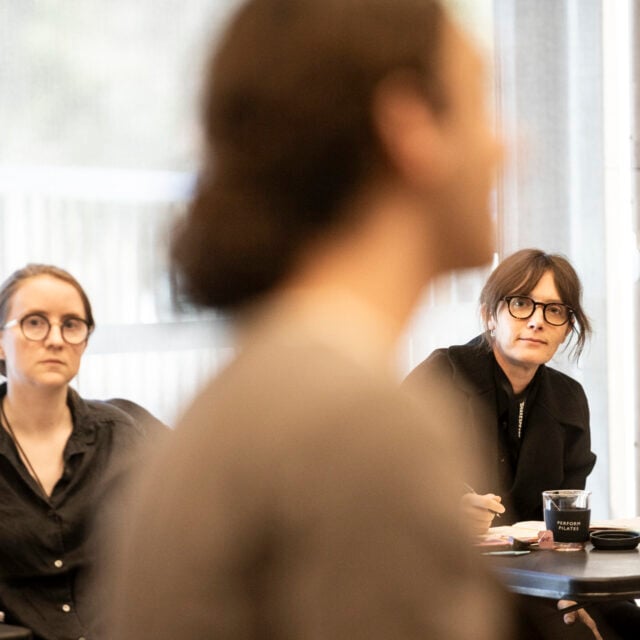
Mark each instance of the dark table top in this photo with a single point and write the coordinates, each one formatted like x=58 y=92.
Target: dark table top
x=591 y=574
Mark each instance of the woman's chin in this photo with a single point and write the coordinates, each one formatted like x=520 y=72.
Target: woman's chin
x=52 y=380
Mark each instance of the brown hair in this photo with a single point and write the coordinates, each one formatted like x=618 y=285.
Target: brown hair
x=518 y=275
x=13 y=282
x=289 y=136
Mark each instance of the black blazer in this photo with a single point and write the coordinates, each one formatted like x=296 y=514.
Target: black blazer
x=555 y=451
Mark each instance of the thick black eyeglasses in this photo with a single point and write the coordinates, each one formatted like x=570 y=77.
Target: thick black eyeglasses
x=523 y=307
x=36 y=327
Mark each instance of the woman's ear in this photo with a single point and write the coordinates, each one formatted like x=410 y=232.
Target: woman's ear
x=488 y=318
x=570 y=328
x=410 y=133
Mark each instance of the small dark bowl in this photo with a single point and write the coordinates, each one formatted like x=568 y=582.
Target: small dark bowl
x=615 y=539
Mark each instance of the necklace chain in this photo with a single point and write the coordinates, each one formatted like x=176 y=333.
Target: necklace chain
x=520 y=418
x=22 y=452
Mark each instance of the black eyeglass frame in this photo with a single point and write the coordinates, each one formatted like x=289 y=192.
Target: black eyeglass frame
x=536 y=304
x=20 y=322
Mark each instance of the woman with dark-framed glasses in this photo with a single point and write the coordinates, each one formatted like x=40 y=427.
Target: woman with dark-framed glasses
x=530 y=421
x=60 y=456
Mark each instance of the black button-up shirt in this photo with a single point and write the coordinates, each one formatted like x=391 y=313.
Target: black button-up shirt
x=46 y=545
x=511 y=423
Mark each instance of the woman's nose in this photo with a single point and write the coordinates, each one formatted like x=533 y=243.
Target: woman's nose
x=537 y=317
x=55 y=335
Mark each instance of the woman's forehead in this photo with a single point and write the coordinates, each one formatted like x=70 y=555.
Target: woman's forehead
x=46 y=292
x=534 y=279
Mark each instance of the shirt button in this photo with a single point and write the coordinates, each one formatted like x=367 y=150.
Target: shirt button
x=66 y=608
x=58 y=563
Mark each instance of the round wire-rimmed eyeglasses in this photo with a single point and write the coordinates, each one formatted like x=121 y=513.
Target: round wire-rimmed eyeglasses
x=523 y=307
x=36 y=327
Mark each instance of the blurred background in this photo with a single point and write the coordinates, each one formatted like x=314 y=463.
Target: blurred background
x=100 y=143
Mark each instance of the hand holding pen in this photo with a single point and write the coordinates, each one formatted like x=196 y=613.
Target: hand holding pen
x=480 y=510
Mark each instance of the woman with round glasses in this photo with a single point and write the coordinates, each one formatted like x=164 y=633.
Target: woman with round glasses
x=60 y=455
x=530 y=420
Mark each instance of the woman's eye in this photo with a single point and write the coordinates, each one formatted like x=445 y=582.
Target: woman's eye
x=35 y=321
x=72 y=324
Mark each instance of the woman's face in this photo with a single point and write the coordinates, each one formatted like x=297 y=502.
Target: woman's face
x=532 y=341
x=51 y=361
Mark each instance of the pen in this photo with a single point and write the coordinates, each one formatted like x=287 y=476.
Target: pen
x=507 y=553
x=470 y=489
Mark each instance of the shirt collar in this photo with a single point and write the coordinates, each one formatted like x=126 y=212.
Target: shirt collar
x=85 y=423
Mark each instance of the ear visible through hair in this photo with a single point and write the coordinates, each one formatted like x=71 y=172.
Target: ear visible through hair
x=409 y=131
x=488 y=318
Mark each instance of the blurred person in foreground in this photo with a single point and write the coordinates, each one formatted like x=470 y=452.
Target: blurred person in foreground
x=61 y=456
x=348 y=160
x=530 y=420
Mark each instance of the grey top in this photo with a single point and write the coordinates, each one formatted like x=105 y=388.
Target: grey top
x=302 y=496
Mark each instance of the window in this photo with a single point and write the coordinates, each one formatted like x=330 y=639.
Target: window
x=99 y=100
x=100 y=145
